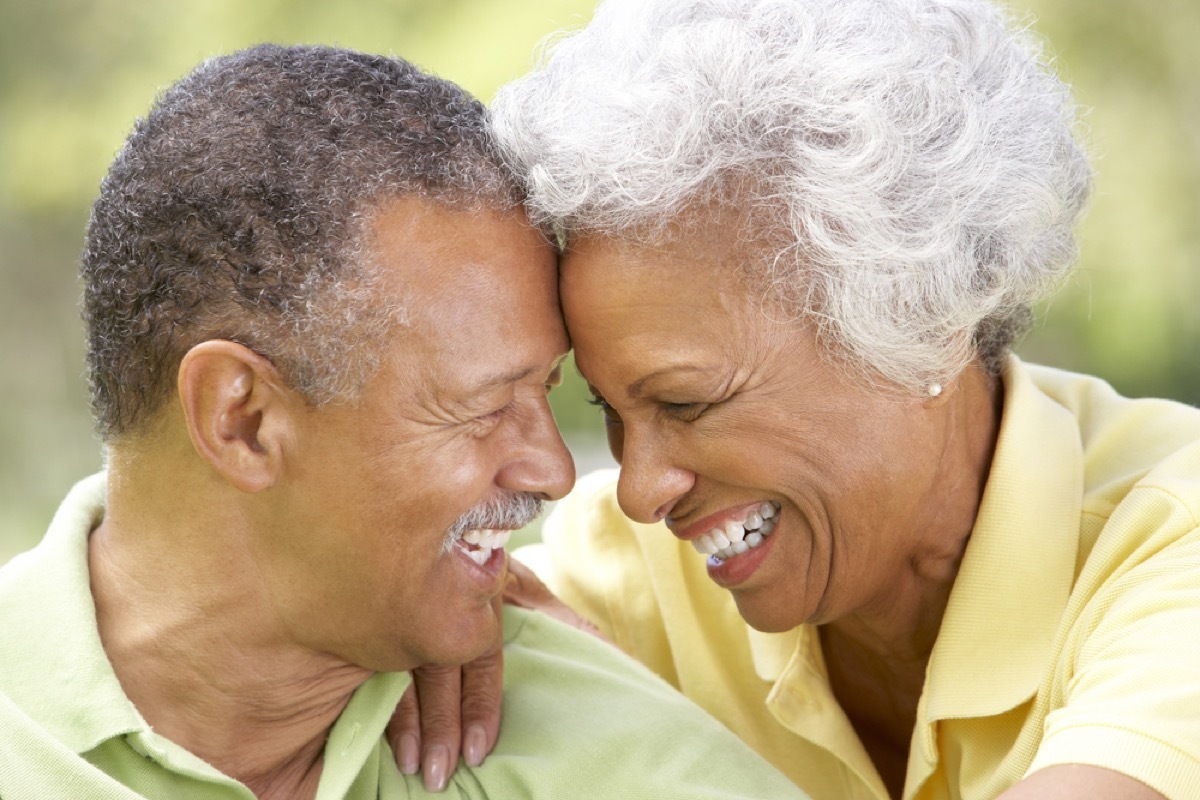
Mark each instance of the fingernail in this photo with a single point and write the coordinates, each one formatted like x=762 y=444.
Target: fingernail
x=474 y=745
x=410 y=754
x=437 y=764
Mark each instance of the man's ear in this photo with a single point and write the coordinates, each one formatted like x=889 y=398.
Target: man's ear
x=238 y=411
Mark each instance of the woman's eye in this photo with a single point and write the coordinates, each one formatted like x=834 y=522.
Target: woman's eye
x=610 y=416
x=688 y=412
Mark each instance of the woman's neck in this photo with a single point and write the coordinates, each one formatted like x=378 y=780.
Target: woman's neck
x=877 y=656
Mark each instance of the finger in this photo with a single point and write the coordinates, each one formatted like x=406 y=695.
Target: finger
x=439 y=695
x=404 y=732
x=482 y=690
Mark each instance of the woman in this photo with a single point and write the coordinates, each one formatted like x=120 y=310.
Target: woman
x=801 y=237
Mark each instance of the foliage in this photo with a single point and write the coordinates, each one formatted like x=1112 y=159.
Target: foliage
x=75 y=73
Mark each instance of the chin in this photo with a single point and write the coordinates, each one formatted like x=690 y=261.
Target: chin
x=466 y=640
x=764 y=616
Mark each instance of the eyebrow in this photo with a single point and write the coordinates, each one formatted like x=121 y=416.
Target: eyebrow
x=513 y=376
x=638 y=387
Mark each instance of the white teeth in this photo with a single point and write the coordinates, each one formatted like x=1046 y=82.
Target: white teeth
x=484 y=542
x=736 y=538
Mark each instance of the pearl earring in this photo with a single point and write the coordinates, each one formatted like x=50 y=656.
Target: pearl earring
x=935 y=389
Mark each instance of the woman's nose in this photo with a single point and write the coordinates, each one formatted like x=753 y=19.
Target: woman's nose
x=649 y=484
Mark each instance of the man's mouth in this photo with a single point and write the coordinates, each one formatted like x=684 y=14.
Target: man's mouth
x=479 y=544
x=736 y=537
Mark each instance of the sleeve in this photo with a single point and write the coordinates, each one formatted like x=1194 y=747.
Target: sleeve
x=593 y=559
x=1133 y=698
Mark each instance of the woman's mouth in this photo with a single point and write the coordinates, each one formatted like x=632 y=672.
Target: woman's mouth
x=738 y=536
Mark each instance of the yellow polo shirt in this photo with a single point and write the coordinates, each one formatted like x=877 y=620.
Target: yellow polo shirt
x=1072 y=633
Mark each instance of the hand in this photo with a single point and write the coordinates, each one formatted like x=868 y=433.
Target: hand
x=447 y=708
x=525 y=590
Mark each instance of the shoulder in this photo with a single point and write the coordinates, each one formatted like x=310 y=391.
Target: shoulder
x=1128 y=443
x=1127 y=694
x=582 y=719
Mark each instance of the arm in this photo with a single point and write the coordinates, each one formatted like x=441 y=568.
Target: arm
x=1071 y=781
x=525 y=590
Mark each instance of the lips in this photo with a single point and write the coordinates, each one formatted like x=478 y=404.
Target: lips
x=737 y=536
x=734 y=541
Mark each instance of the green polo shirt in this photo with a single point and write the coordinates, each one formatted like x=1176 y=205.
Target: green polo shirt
x=580 y=719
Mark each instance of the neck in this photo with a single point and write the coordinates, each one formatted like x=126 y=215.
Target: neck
x=877 y=657
x=901 y=624
x=190 y=634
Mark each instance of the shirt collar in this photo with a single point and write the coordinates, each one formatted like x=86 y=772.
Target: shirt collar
x=1018 y=568
x=59 y=674
x=61 y=677
x=771 y=652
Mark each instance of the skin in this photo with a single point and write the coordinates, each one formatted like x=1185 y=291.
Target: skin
x=260 y=558
x=715 y=399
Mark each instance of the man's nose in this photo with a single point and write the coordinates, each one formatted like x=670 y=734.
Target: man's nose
x=543 y=466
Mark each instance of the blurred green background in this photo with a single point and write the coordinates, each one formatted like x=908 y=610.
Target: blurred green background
x=74 y=74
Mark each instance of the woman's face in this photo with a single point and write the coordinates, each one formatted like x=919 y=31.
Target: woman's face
x=720 y=409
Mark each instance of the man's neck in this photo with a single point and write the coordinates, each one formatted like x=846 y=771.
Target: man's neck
x=198 y=652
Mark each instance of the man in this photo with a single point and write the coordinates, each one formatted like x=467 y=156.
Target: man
x=320 y=338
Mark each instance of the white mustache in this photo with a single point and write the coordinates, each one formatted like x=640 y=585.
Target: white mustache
x=507 y=512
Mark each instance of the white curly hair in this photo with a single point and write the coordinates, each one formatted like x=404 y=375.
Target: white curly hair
x=914 y=161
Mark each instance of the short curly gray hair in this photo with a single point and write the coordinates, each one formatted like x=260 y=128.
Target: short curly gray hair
x=240 y=208
x=911 y=162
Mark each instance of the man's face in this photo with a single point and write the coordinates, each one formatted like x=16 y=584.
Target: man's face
x=358 y=558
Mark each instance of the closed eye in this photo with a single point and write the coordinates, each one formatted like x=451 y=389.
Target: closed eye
x=611 y=417
x=494 y=416
x=687 y=412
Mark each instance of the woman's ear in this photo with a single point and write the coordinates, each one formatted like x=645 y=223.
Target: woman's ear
x=238 y=410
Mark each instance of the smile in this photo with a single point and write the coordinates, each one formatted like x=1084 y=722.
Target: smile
x=736 y=537
x=479 y=544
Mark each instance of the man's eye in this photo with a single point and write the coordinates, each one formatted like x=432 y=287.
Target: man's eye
x=494 y=416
